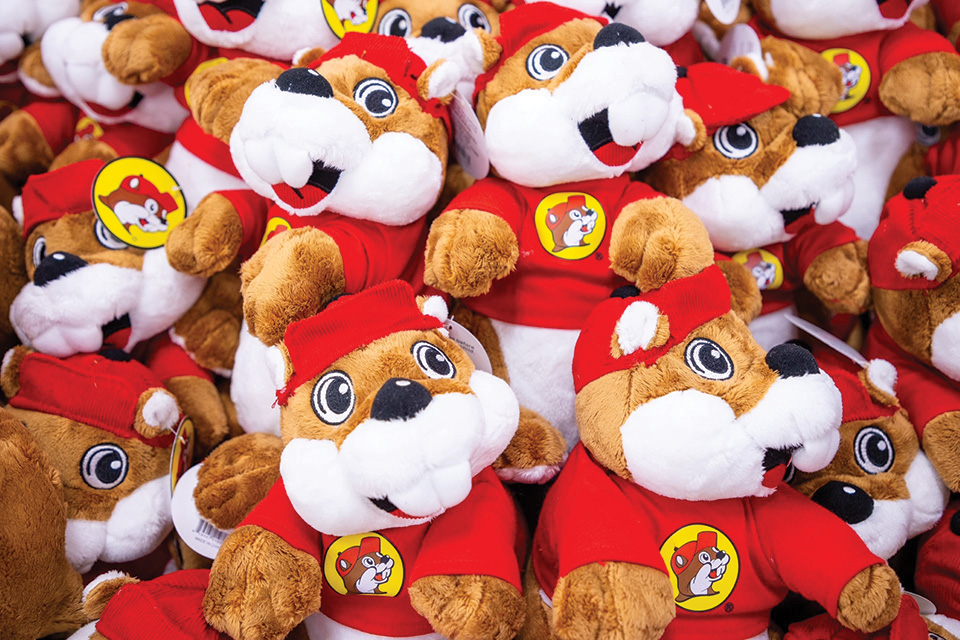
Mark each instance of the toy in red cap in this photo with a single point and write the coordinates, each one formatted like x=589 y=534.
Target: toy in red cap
x=914 y=258
x=387 y=510
x=771 y=178
x=407 y=18
x=674 y=500
x=108 y=425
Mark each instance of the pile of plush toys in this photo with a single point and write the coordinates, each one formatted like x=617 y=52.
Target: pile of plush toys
x=479 y=319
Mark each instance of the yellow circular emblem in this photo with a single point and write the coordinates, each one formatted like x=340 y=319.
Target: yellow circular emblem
x=87 y=128
x=181 y=454
x=856 y=76
x=138 y=201
x=703 y=566
x=275 y=225
x=765 y=267
x=363 y=564
x=350 y=15
x=570 y=224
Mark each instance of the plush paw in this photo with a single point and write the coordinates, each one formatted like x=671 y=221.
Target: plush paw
x=469 y=607
x=941 y=441
x=658 y=240
x=199 y=399
x=613 y=600
x=97 y=594
x=236 y=476
x=23 y=149
x=261 y=587
x=216 y=94
x=535 y=453
x=871 y=600
x=467 y=250
x=290 y=278
x=208 y=240
x=146 y=49
x=83 y=149
x=924 y=88
x=838 y=277
x=210 y=330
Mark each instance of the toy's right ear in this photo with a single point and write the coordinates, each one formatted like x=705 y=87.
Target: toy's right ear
x=10 y=370
x=305 y=57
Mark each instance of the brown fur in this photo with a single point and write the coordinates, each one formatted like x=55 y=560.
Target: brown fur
x=199 y=399
x=940 y=631
x=210 y=329
x=469 y=606
x=481 y=327
x=421 y=12
x=838 y=277
x=745 y=298
x=216 y=94
x=271 y=582
x=14 y=275
x=940 y=438
x=910 y=316
x=871 y=600
x=83 y=149
x=145 y=50
x=98 y=597
x=208 y=240
x=23 y=149
x=536 y=443
x=31 y=65
x=924 y=88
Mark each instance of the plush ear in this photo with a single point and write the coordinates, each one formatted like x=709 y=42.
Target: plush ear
x=641 y=326
x=16 y=210
x=691 y=132
x=433 y=306
x=815 y=83
x=439 y=80
x=10 y=370
x=157 y=413
x=880 y=379
x=306 y=56
x=278 y=364
x=924 y=259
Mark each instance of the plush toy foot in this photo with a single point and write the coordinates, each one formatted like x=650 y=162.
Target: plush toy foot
x=261 y=587
x=658 y=240
x=745 y=298
x=941 y=441
x=210 y=330
x=217 y=93
x=467 y=250
x=924 y=88
x=199 y=399
x=23 y=149
x=83 y=149
x=469 y=607
x=146 y=49
x=871 y=600
x=838 y=277
x=535 y=453
x=613 y=600
x=98 y=593
x=236 y=476
x=290 y=278
x=208 y=240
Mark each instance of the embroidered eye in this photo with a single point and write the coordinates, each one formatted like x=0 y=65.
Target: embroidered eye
x=708 y=360
x=873 y=450
x=104 y=466
x=395 y=22
x=434 y=362
x=928 y=135
x=106 y=237
x=736 y=141
x=545 y=61
x=471 y=17
x=376 y=96
x=39 y=251
x=110 y=11
x=333 y=398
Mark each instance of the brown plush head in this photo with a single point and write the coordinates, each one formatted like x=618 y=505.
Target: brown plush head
x=107 y=425
x=407 y=18
x=822 y=19
x=386 y=421
x=673 y=393
x=879 y=483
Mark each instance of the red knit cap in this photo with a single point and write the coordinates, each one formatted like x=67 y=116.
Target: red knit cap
x=523 y=24
x=393 y=55
x=88 y=388
x=166 y=608
x=858 y=404
x=52 y=195
x=348 y=323
x=928 y=209
x=688 y=303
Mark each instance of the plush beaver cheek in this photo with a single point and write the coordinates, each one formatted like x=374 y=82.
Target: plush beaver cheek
x=822 y=19
x=945 y=346
x=736 y=214
x=928 y=495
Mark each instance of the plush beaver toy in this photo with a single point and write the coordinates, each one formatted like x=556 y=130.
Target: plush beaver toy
x=914 y=260
x=407 y=18
x=385 y=487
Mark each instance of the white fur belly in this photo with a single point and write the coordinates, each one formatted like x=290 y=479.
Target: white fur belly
x=881 y=143
x=540 y=364
x=320 y=627
x=197 y=179
x=252 y=388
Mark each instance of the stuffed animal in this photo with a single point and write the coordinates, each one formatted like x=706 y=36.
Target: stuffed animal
x=913 y=260
x=385 y=488
x=771 y=178
x=894 y=72
x=671 y=517
x=407 y=18
x=938 y=563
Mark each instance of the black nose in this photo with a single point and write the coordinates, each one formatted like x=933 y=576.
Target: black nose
x=721 y=555
x=303 y=80
x=56 y=265
x=113 y=19
x=442 y=29
x=815 y=130
x=851 y=503
x=399 y=398
x=790 y=360
x=917 y=188
x=616 y=33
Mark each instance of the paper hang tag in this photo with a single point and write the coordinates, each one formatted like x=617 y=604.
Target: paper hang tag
x=725 y=11
x=469 y=144
x=469 y=343
x=927 y=608
x=828 y=339
x=181 y=454
x=193 y=529
x=742 y=41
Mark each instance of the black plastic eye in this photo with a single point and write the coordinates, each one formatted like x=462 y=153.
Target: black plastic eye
x=104 y=466
x=471 y=17
x=395 y=22
x=708 y=360
x=545 y=61
x=873 y=450
x=333 y=398
x=432 y=360
x=376 y=96
x=736 y=141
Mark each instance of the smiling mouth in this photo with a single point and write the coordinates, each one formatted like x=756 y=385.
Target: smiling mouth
x=102 y=111
x=775 y=463
x=230 y=15
x=792 y=215
x=595 y=131
x=384 y=504
x=319 y=185
x=116 y=333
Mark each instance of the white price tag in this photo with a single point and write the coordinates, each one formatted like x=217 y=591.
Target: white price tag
x=469 y=343
x=469 y=144
x=193 y=529
x=828 y=339
x=927 y=608
x=725 y=11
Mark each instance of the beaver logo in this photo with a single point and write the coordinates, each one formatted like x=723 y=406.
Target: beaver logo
x=764 y=266
x=363 y=564
x=856 y=77
x=570 y=225
x=349 y=15
x=704 y=566
x=137 y=202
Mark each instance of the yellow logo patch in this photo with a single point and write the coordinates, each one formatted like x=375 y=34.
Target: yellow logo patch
x=138 y=201
x=87 y=128
x=764 y=266
x=570 y=224
x=703 y=566
x=275 y=225
x=856 y=76
x=363 y=564
x=350 y=15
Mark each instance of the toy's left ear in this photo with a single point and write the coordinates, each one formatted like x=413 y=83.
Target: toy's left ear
x=433 y=306
x=922 y=259
x=10 y=370
x=439 y=80
x=879 y=377
x=815 y=83
x=641 y=326
x=691 y=132
x=306 y=56
x=157 y=413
